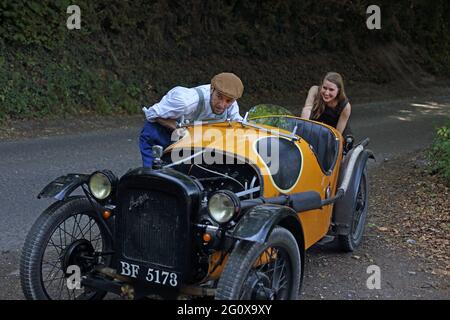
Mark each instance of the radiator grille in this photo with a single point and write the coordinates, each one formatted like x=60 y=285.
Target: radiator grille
x=155 y=227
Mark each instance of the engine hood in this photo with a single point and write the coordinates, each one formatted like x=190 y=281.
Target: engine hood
x=265 y=149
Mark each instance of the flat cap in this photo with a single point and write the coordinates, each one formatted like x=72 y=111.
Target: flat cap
x=228 y=84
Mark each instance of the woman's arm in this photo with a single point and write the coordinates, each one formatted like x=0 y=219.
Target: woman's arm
x=343 y=118
x=306 y=112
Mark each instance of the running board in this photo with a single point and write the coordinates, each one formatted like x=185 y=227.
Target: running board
x=326 y=239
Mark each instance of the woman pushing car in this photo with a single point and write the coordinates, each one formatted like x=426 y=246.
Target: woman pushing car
x=329 y=104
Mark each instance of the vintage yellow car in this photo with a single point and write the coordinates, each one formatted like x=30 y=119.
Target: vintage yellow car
x=227 y=211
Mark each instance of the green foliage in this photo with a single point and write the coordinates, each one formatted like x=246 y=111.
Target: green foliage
x=129 y=53
x=34 y=85
x=439 y=154
x=33 y=22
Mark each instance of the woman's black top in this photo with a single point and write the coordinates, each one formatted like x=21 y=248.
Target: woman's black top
x=330 y=116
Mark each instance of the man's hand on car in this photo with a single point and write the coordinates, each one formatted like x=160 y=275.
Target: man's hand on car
x=168 y=123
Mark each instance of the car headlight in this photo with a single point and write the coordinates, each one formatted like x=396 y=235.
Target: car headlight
x=223 y=205
x=101 y=184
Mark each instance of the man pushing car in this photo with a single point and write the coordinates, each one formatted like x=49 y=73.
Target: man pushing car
x=215 y=101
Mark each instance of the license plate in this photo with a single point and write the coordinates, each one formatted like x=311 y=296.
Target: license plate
x=151 y=275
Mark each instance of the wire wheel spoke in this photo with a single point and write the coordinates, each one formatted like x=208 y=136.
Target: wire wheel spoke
x=279 y=275
x=59 y=250
x=268 y=279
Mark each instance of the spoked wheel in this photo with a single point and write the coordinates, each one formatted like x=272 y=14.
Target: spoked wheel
x=67 y=234
x=269 y=271
x=351 y=241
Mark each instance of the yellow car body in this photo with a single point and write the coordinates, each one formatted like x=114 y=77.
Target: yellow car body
x=228 y=210
x=234 y=138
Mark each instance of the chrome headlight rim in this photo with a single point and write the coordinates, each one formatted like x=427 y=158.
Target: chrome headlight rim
x=233 y=204
x=105 y=181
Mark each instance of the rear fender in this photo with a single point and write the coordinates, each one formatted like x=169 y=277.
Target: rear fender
x=343 y=208
x=63 y=186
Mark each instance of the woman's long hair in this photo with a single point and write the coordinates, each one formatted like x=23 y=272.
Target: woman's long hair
x=319 y=104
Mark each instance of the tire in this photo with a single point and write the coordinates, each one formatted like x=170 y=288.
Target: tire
x=350 y=242
x=50 y=239
x=240 y=281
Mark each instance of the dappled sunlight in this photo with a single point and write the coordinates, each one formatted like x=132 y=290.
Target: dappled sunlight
x=424 y=108
x=428 y=112
x=437 y=104
x=427 y=106
x=431 y=108
x=408 y=118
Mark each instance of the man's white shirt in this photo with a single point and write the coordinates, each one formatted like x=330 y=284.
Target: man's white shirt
x=181 y=102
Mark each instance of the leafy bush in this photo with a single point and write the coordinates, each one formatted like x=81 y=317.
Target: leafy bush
x=129 y=53
x=439 y=154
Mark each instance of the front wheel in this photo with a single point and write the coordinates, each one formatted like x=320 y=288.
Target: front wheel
x=262 y=271
x=67 y=234
x=351 y=241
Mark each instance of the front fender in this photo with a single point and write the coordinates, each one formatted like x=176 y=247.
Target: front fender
x=63 y=186
x=259 y=221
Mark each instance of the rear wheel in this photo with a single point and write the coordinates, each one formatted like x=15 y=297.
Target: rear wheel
x=67 y=234
x=268 y=271
x=351 y=241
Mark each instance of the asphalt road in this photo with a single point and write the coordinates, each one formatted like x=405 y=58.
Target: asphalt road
x=26 y=166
